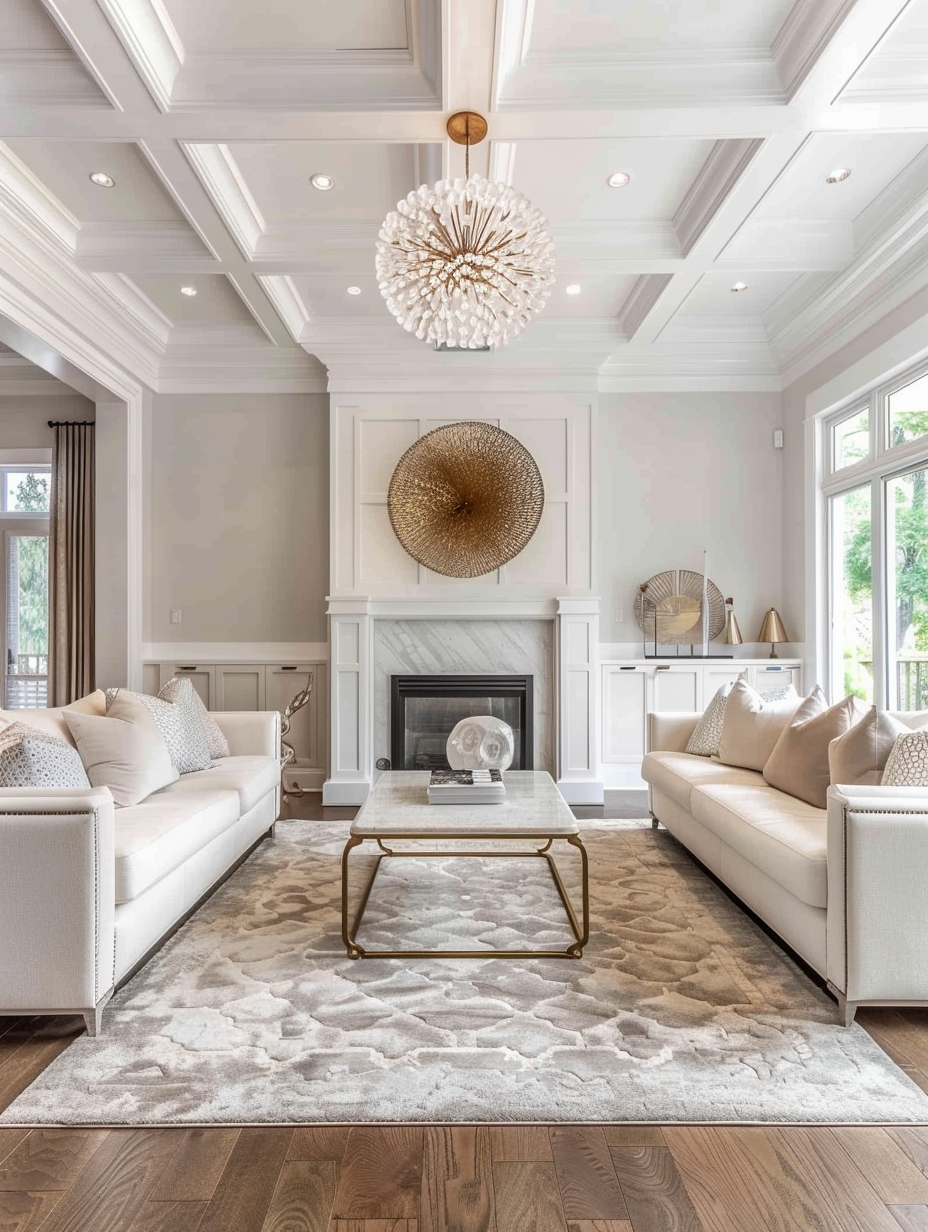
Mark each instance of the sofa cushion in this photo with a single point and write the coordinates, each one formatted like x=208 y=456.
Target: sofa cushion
x=783 y=836
x=251 y=777
x=123 y=751
x=158 y=835
x=752 y=724
x=676 y=774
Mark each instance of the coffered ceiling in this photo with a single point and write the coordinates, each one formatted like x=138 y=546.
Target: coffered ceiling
x=211 y=118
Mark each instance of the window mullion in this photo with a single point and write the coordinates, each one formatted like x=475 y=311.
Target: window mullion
x=878 y=547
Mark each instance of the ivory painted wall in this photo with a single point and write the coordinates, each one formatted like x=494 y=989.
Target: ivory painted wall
x=24 y=421
x=238 y=517
x=677 y=473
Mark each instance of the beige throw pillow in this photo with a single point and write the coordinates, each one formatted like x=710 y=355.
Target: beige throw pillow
x=123 y=751
x=752 y=726
x=860 y=755
x=799 y=763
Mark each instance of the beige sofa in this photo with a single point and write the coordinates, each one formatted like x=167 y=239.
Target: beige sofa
x=88 y=891
x=846 y=887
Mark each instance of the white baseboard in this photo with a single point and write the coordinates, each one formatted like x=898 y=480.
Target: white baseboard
x=338 y=793
x=581 y=791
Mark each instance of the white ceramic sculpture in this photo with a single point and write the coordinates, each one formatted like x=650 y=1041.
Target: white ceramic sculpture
x=481 y=742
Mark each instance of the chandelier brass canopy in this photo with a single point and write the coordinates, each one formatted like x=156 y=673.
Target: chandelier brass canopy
x=465 y=499
x=465 y=264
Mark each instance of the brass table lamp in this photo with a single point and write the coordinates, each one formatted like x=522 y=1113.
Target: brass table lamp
x=772 y=631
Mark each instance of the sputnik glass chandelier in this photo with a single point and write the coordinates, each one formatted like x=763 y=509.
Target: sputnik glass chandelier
x=465 y=263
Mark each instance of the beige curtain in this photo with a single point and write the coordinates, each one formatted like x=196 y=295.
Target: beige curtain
x=71 y=564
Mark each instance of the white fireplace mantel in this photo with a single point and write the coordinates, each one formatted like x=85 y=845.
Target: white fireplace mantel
x=576 y=643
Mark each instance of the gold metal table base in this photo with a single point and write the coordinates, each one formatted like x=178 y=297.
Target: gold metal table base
x=350 y=928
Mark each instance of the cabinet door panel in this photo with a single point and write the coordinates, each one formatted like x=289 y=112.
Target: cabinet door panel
x=717 y=676
x=202 y=677
x=307 y=730
x=240 y=686
x=774 y=677
x=677 y=688
x=625 y=696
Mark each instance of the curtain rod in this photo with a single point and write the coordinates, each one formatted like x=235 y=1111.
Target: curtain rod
x=70 y=423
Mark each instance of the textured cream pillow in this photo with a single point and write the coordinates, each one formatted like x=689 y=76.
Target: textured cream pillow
x=752 y=726
x=860 y=755
x=907 y=764
x=799 y=763
x=704 y=741
x=123 y=751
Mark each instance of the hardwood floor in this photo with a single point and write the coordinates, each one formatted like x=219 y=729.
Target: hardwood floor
x=521 y=1178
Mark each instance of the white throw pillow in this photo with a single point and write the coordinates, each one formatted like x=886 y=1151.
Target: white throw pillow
x=907 y=765
x=33 y=758
x=704 y=741
x=179 y=724
x=752 y=725
x=180 y=691
x=123 y=751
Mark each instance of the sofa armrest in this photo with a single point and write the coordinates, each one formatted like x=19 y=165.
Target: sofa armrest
x=670 y=731
x=877 y=896
x=250 y=731
x=57 y=899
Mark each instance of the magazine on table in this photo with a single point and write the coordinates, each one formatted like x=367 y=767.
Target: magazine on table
x=466 y=787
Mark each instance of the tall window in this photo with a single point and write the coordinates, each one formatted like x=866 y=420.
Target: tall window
x=876 y=496
x=24 y=494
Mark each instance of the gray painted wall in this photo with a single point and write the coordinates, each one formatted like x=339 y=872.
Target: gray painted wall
x=238 y=517
x=680 y=472
x=24 y=421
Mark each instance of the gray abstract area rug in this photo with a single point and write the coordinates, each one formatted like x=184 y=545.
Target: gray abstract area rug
x=681 y=1009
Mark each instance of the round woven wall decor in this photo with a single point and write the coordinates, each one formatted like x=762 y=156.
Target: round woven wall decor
x=465 y=499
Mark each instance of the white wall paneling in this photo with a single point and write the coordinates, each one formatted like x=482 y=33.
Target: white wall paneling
x=578 y=771
x=351 y=702
x=632 y=688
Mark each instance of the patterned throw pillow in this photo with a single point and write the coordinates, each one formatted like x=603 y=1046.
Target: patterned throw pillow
x=907 y=765
x=704 y=741
x=180 y=728
x=33 y=758
x=180 y=691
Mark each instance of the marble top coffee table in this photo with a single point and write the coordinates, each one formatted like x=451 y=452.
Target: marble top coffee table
x=398 y=809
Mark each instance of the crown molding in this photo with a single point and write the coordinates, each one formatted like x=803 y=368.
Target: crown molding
x=718 y=175
x=643 y=296
x=27 y=198
x=47 y=78
x=138 y=306
x=222 y=179
x=804 y=35
x=149 y=36
x=142 y=247
x=287 y=303
x=889 y=210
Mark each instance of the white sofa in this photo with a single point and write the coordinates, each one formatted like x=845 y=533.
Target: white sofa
x=88 y=891
x=846 y=887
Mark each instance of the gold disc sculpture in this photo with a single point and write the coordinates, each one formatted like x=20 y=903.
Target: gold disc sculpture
x=668 y=607
x=465 y=499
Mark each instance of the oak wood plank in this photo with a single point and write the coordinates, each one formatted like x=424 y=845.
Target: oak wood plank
x=304 y=1196
x=913 y=1140
x=585 y=1174
x=654 y=1192
x=897 y=1035
x=49 y=1159
x=24 y=1212
x=883 y=1162
x=527 y=1144
x=599 y=1225
x=243 y=1195
x=196 y=1166
x=114 y=1185
x=28 y=1060
x=381 y=1174
x=373 y=1225
x=457 y=1180
x=911 y=1218
x=527 y=1198
x=634 y=1135
x=169 y=1217
x=10 y=1140
x=319 y=1142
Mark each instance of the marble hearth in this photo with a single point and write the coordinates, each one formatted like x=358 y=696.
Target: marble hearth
x=555 y=641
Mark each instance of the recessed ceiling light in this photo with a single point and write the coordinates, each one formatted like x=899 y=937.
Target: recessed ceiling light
x=102 y=180
x=619 y=179
x=838 y=175
x=354 y=290
x=573 y=289
x=739 y=286
x=322 y=182
x=188 y=291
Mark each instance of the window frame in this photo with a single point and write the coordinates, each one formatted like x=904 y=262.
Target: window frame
x=20 y=467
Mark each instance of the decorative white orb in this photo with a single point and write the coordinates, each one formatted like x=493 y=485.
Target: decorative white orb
x=481 y=742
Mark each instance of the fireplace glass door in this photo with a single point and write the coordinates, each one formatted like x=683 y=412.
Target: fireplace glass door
x=425 y=710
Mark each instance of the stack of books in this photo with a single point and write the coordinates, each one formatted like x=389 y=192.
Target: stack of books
x=467 y=787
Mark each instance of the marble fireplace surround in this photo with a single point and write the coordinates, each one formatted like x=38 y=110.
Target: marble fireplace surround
x=554 y=640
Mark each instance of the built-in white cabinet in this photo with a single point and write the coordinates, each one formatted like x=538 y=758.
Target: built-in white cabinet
x=263 y=686
x=632 y=688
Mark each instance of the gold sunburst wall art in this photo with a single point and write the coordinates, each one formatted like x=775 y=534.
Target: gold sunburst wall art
x=465 y=499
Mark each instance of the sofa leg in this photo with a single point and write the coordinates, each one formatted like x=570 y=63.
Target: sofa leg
x=655 y=824
x=93 y=1019
x=846 y=1009
x=273 y=831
